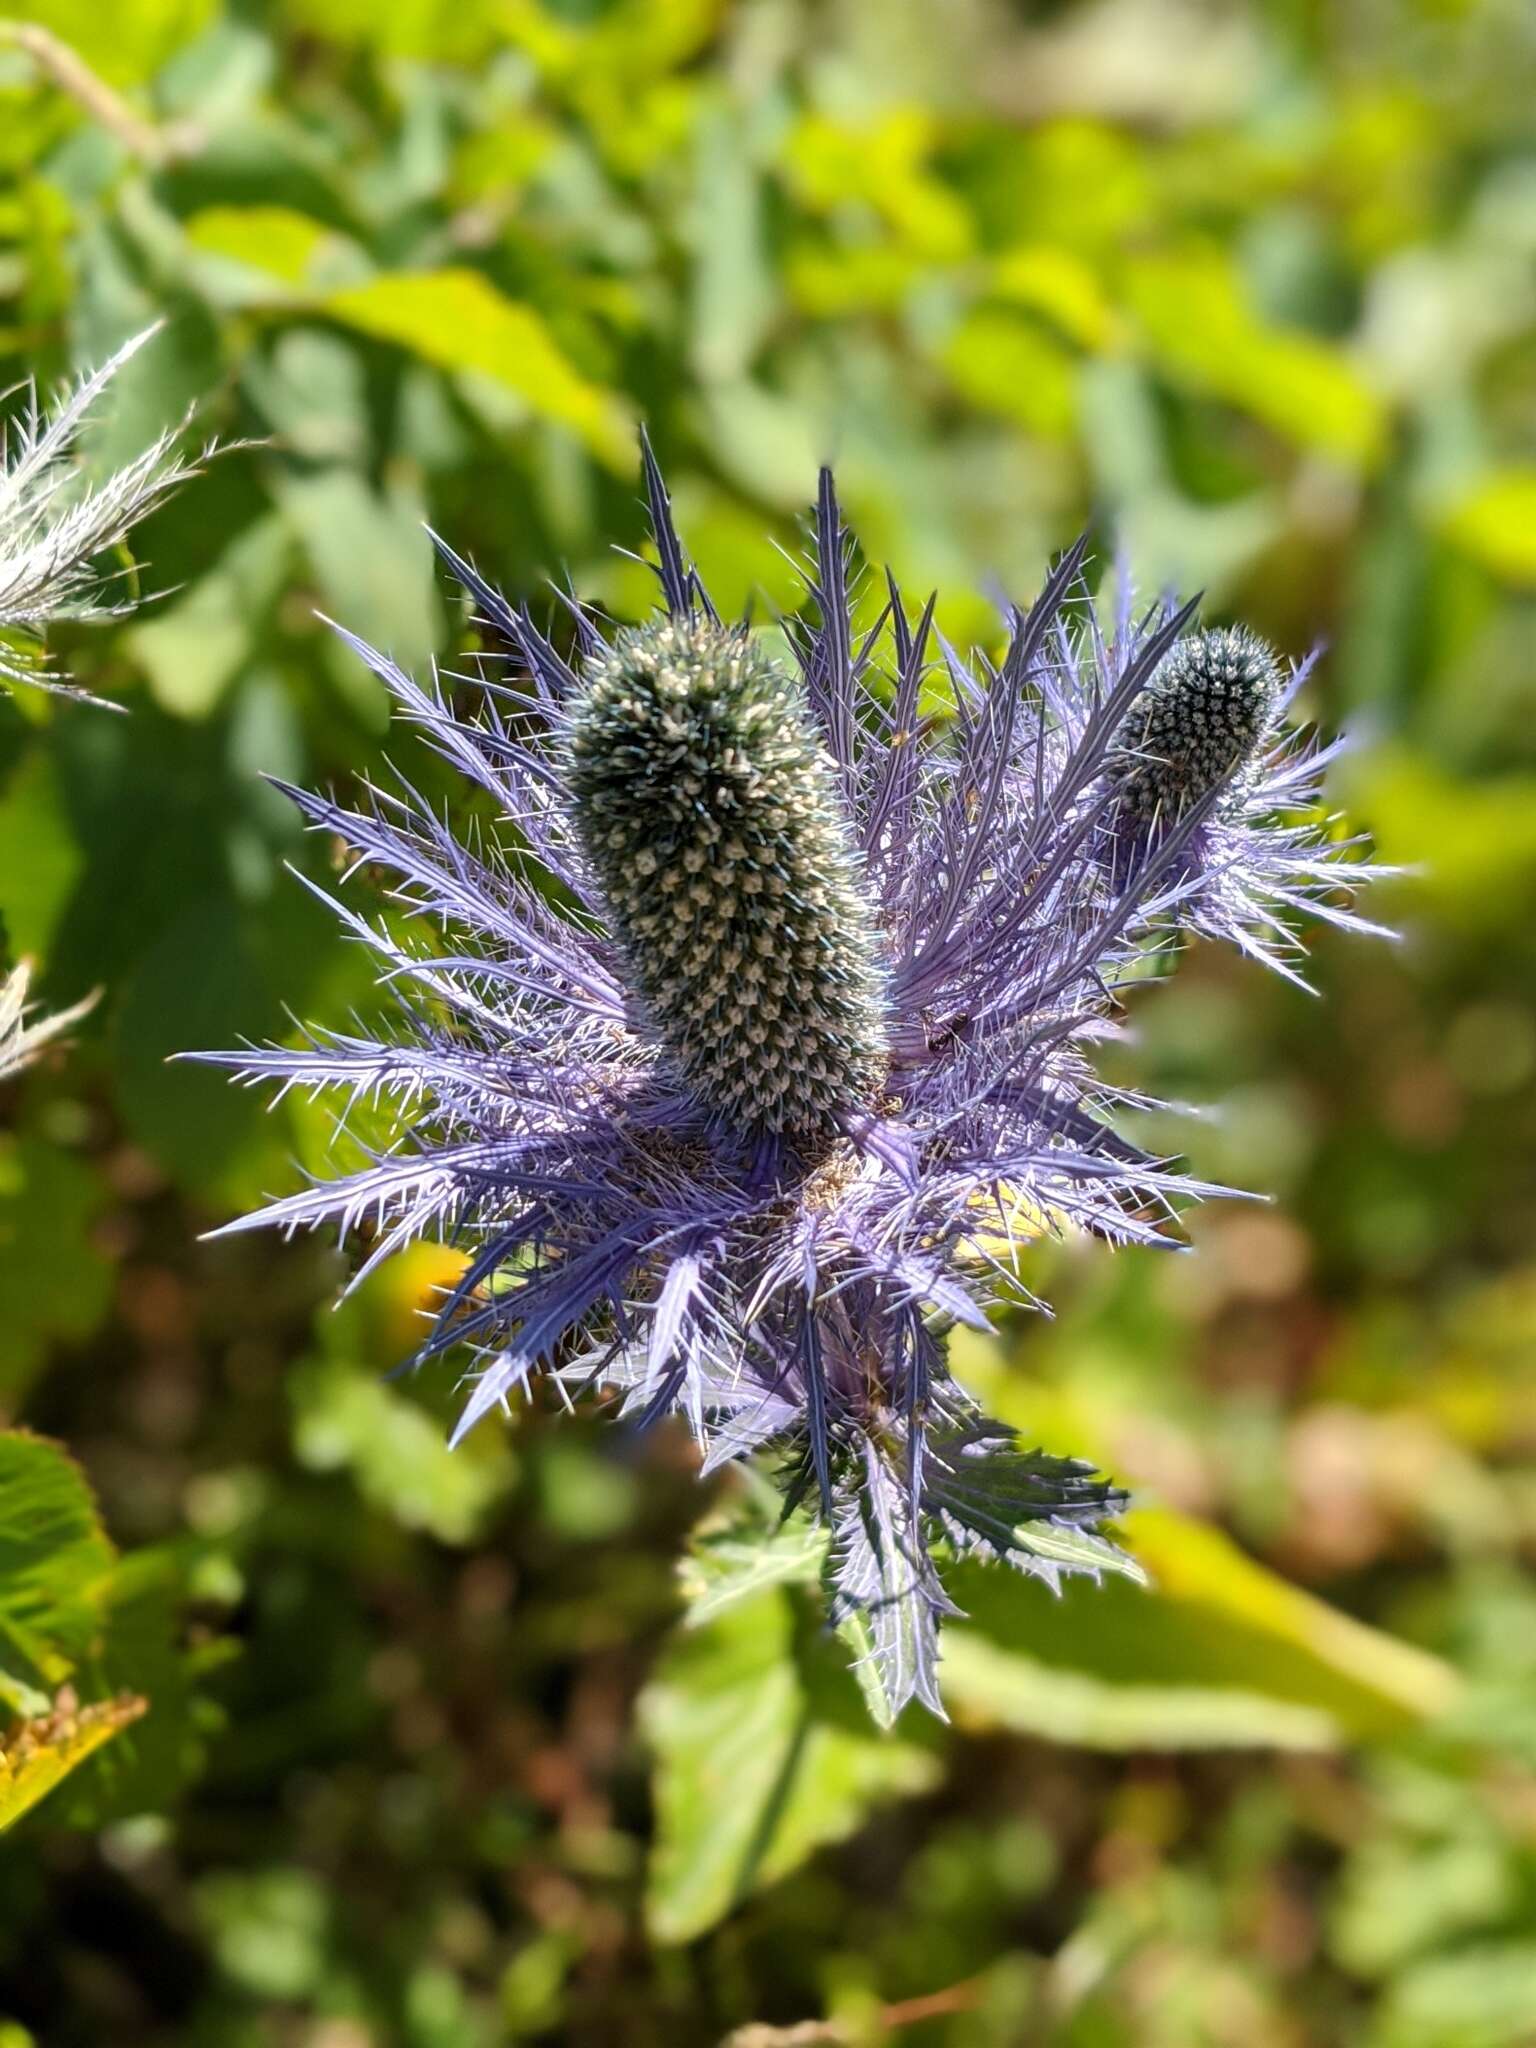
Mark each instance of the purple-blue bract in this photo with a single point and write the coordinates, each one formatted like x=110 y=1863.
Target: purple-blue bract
x=1016 y=860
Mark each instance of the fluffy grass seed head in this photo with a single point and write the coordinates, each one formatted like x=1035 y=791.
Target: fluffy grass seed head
x=706 y=803
x=56 y=529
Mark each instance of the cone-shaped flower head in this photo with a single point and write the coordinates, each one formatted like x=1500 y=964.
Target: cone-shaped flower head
x=1197 y=727
x=765 y=1091
x=706 y=804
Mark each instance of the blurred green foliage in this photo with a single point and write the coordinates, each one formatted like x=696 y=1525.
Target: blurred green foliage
x=442 y=1750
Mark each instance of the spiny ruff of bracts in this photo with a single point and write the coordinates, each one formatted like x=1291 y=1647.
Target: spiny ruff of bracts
x=705 y=803
x=761 y=1197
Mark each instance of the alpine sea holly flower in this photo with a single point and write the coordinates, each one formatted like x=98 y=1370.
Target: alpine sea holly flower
x=54 y=531
x=750 y=1050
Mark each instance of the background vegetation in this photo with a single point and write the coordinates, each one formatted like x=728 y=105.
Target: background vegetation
x=443 y=1751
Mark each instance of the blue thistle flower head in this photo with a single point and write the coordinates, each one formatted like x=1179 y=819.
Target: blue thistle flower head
x=753 y=1106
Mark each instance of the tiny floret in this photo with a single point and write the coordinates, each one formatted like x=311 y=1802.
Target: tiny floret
x=706 y=803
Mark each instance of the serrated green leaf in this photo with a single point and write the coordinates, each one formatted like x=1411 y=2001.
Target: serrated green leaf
x=1077 y=1550
x=55 y=1558
x=763 y=1753
x=744 y=1549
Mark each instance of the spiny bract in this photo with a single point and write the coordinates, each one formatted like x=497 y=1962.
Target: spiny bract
x=775 y=1242
x=705 y=802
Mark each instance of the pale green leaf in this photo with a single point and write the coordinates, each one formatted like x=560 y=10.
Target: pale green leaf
x=372 y=561
x=347 y=1419
x=989 y=1686
x=54 y=1558
x=459 y=321
x=192 y=650
x=764 y=1753
x=743 y=1550
x=283 y=244
x=1496 y=524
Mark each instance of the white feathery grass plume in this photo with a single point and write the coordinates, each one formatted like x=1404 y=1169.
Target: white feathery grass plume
x=53 y=532
x=21 y=1042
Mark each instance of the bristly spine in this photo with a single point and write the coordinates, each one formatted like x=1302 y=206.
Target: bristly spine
x=1198 y=726
x=706 y=804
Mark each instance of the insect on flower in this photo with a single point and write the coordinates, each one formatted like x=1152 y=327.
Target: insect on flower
x=754 y=1047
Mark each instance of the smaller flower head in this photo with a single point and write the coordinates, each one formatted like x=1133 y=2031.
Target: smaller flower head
x=1197 y=727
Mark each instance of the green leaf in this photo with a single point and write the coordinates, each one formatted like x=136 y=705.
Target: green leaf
x=743 y=1548
x=137 y=1652
x=1203 y=333
x=989 y=1686
x=1495 y=523
x=459 y=321
x=1009 y=365
x=1475 y=1997
x=278 y=241
x=1218 y=1650
x=55 y=1283
x=71 y=1609
x=194 y=649
x=55 y=1558
x=396 y=1451
x=40 y=857
x=764 y=1753
x=1473 y=841
x=372 y=560
x=1221 y=1653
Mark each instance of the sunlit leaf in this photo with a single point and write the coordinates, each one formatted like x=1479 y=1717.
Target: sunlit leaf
x=1496 y=524
x=459 y=321
x=764 y=1752
x=54 y=1558
x=1203 y=332
x=745 y=1547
